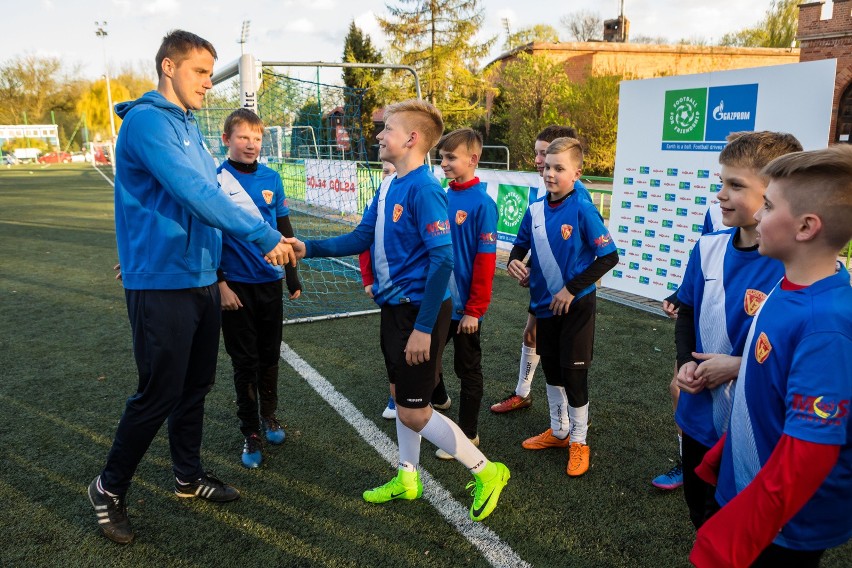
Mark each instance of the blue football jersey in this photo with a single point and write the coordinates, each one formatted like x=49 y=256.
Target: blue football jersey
x=261 y=194
x=725 y=286
x=796 y=379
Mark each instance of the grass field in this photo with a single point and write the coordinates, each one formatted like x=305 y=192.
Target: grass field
x=66 y=368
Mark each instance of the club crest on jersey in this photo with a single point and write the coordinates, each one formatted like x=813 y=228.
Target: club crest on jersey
x=461 y=216
x=603 y=240
x=267 y=196
x=752 y=301
x=762 y=347
x=566 y=232
x=397 y=212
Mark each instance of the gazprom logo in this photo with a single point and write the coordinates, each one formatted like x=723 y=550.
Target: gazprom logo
x=731 y=108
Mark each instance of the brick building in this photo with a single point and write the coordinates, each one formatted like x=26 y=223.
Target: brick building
x=825 y=32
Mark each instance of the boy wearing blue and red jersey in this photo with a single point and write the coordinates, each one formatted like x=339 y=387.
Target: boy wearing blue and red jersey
x=785 y=484
x=473 y=225
x=571 y=250
x=725 y=282
x=251 y=289
x=408 y=234
x=521 y=397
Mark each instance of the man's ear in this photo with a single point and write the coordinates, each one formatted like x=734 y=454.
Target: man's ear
x=809 y=227
x=168 y=67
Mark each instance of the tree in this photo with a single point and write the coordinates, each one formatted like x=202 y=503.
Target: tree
x=777 y=29
x=539 y=32
x=28 y=84
x=437 y=38
x=533 y=93
x=593 y=110
x=94 y=104
x=583 y=25
x=358 y=48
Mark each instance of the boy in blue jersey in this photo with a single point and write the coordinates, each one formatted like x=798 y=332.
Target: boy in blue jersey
x=251 y=289
x=725 y=281
x=408 y=234
x=785 y=484
x=571 y=249
x=473 y=225
x=169 y=211
x=521 y=397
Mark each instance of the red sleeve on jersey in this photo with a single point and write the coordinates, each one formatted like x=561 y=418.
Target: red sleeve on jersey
x=484 y=264
x=366 y=263
x=708 y=469
x=738 y=533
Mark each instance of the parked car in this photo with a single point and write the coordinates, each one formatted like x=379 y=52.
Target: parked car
x=55 y=158
x=78 y=157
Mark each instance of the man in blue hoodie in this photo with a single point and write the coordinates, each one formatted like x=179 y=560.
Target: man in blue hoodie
x=169 y=210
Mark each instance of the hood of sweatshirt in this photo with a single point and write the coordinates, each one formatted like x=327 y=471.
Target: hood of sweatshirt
x=155 y=98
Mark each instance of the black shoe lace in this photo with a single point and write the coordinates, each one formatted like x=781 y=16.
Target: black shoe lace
x=210 y=479
x=272 y=423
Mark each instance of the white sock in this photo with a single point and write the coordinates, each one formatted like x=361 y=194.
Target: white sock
x=680 y=445
x=446 y=434
x=409 y=446
x=104 y=491
x=579 y=423
x=558 y=401
x=526 y=372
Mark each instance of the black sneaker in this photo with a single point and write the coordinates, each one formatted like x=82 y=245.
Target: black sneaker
x=209 y=487
x=111 y=513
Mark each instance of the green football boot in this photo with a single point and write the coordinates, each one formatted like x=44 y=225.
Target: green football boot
x=487 y=487
x=406 y=485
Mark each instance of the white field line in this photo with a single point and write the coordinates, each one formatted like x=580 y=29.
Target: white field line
x=109 y=181
x=492 y=547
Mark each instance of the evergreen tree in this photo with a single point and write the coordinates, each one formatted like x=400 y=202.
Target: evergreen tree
x=437 y=38
x=358 y=48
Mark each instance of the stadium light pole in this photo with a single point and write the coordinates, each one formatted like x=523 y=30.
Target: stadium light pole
x=100 y=31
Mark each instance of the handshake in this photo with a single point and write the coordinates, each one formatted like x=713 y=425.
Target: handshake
x=287 y=251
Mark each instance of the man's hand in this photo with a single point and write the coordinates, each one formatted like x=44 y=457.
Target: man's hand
x=561 y=302
x=117 y=268
x=417 y=348
x=298 y=247
x=230 y=300
x=686 y=379
x=282 y=254
x=518 y=270
x=716 y=369
x=369 y=290
x=468 y=324
x=670 y=309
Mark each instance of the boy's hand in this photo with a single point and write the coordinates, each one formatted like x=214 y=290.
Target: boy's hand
x=670 y=309
x=295 y=295
x=230 y=300
x=518 y=270
x=282 y=254
x=298 y=247
x=686 y=380
x=468 y=324
x=417 y=348
x=561 y=302
x=716 y=369
x=369 y=290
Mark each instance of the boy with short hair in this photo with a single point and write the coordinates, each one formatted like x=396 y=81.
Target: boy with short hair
x=473 y=226
x=251 y=289
x=784 y=484
x=408 y=233
x=521 y=397
x=571 y=250
x=724 y=284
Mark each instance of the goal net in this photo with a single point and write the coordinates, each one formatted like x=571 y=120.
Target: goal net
x=313 y=138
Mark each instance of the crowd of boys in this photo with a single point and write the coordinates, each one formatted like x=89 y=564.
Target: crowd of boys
x=763 y=330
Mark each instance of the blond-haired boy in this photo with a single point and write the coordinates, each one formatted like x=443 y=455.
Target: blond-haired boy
x=408 y=233
x=784 y=482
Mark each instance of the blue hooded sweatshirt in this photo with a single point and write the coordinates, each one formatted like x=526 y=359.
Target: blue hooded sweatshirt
x=169 y=207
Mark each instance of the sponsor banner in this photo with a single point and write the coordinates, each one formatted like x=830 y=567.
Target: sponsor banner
x=513 y=192
x=332 y=184
x=670 y=133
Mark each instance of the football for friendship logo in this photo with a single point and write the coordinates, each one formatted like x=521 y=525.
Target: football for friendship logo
x=700 y=119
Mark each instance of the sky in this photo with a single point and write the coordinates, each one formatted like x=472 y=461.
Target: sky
x=312 y=30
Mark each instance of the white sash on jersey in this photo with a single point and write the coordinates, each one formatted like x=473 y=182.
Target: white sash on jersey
x=544 y=254
x=713 y=323
x=233 y=189
x=380 y=258
x=743 y=446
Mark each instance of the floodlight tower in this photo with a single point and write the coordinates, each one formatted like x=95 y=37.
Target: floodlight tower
x=100 y=31
x=244 y=35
